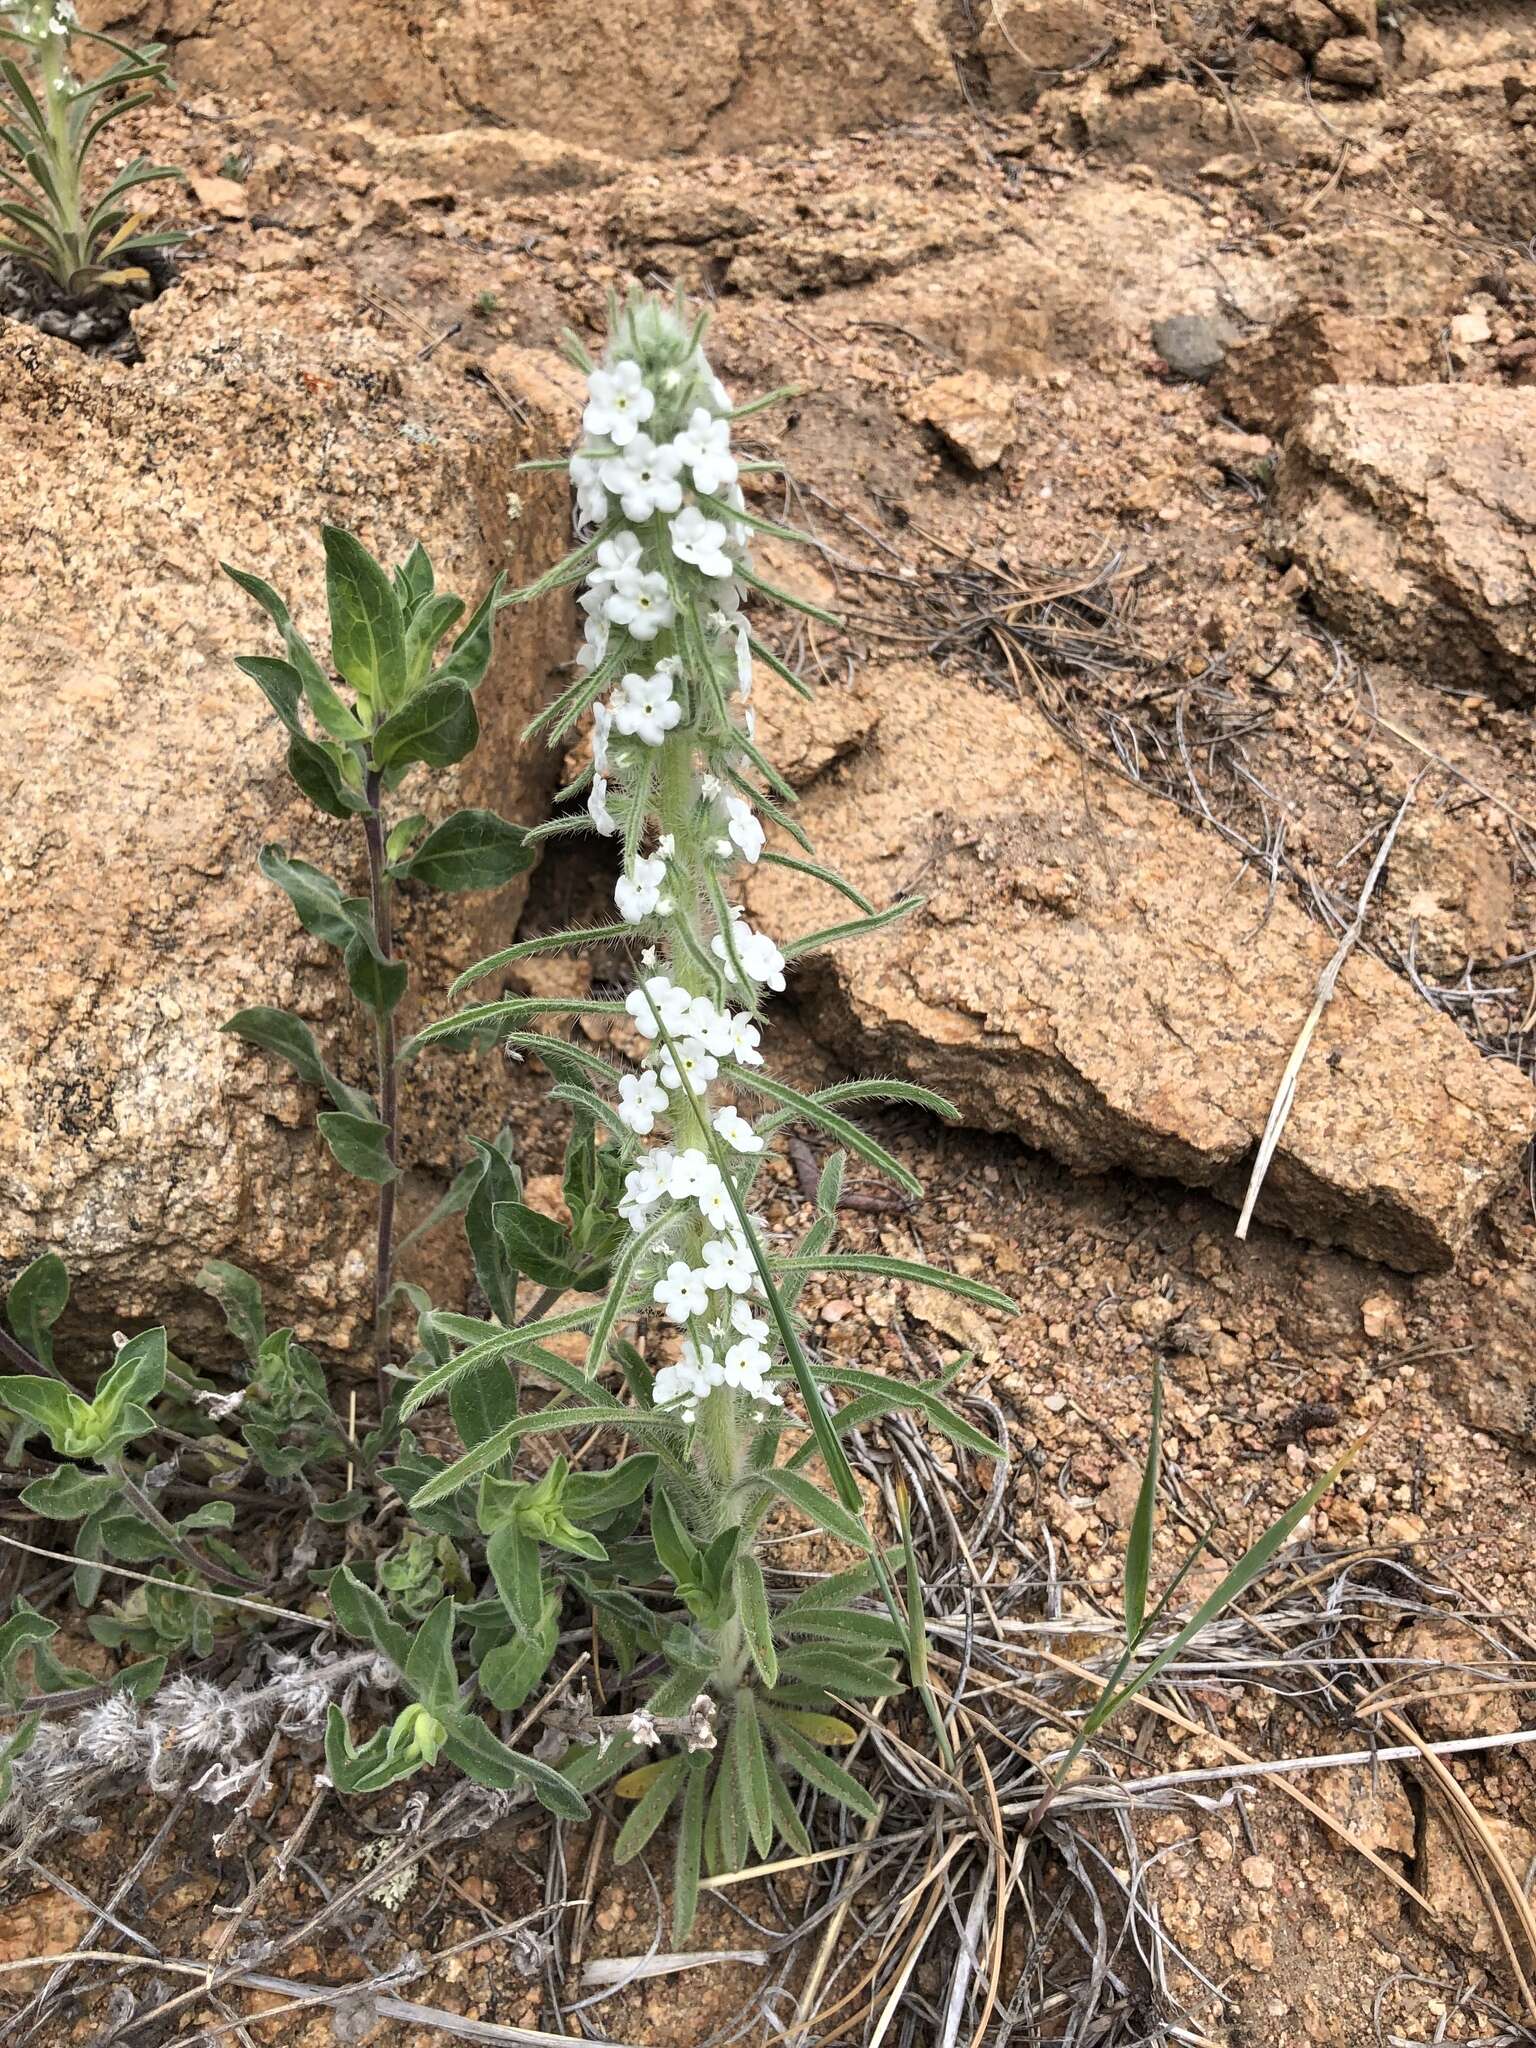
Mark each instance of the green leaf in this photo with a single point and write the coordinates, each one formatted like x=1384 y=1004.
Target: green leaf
x=476 y=1751
x=316 y=769
x=68 y=1494
x=437 y=726
x=904 y=1269
x=819 y=1770
x=483 y=1400
x=677 y=1550
x=513 y=1558
x=377 y=983
x=857 y=1674
x=365 y=1618
x=300 y=656
x=690 y=1848
x=509 y=1672
x=38 y=1297
x=756 y=1621
x=290 y=1038
x=136 y=1377
x=947 y=1420
x=402 y=835
x=810 y=1501
x=500 y=1182
x=430 y=619
x=752 y=1772
x=614 y=1305
x=367 y=627
x=1138 y=1549
x=650 y=1810
x=56 y=1410
x=548 y=942
x=279 y=683
x=238 y=1295
x=314 y=896
x=836 y=1126
x=593 y=1496
x=1250 y=1566
x=470 y=850
x=470 y=655
x=359 y=1144
x=415 y=579
x=429 y=1666
x=536 y=1245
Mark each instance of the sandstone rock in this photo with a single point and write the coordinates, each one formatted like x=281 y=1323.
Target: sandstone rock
x=1021 y=39
x=971 y=412
x=1448 y=893
x=1305 y=24
x=618 y=75
x=1267 y=377
x=1459 y=1910
x=1413 y=513
x=144 y=773
x=1371 y=1804
x=1453 y=1679
x=1353 y=61
x=1089 y=974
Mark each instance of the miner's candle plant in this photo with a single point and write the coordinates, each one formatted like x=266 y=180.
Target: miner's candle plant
x=50 y=121
x=678 y=782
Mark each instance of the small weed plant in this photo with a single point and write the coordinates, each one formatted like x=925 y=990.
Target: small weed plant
x=587 y=1467
x=51 y=216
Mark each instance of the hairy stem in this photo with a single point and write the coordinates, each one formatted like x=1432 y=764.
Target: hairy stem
x=389 y=1096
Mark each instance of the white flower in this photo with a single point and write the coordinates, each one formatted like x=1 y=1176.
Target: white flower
x=692 y=1064
x=602 y=726
x=716 y=1206
x=659 y=998
x=644 y=480
x=700 y=541
x=597 y=806
x=746 y=1364
x=756 y=951
x=711 y=1027
x=645 y=709
x=746 y=1323
x=736 y=1131
x=641 y=1101
x=745 y=1039
x=619 y=405
x=638 y=894
x=681 y=1293
x=591 y=498
x=646 y=1183
x=718 y=393
x=594 y=631
x=640 y=603
x=743 y=663
x=620 y=552
x=705 y=445
x=709 y=787
x=745 y=827
x=728 y=1266
x=692 y=1173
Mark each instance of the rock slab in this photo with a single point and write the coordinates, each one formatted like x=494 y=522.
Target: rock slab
x=1413 y=512
x=142 y=774
x=1091 y=974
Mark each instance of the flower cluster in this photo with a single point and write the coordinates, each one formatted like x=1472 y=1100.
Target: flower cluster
x=667 y=649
